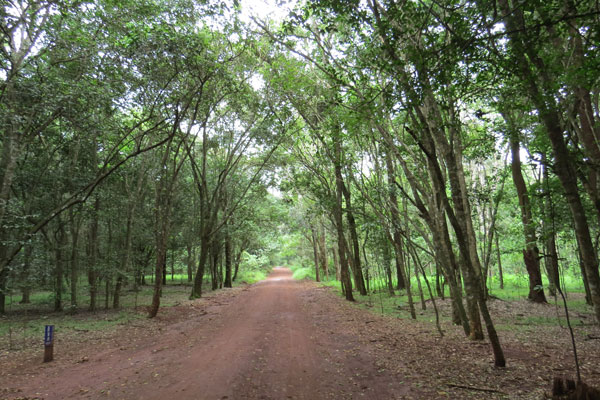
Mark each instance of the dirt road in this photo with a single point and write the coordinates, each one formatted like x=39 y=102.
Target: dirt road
x=273 y=340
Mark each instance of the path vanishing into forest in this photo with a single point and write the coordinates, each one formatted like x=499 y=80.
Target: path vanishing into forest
x=271 y=340
x=286 y=339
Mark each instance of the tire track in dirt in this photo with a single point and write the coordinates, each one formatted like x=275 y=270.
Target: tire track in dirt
x=265 y=343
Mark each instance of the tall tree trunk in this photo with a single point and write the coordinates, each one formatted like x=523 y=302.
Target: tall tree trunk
x=551 y=258
x=359 y=280
x=530 y=252
x=315 y=253
x=161 y=259
x=164 y=268
x=449 y=264
x=387 y=259
x=60 y=244
x=500 y=272
x=238 y=260
x=93 y=255
x=8 y=162
x=214 y=264
x=202 y=258
x=337 y=211
x=471 y=282
x=25 y=278
x=336 y=264
x=413 y=253
x=322 y=247
x=117 y=291
x=164 y=194
x=190 y=262
x=134 y=199
x=3 y=288
x=441 y=235
x=395 y=216
x=74 y=225
x=404 y=270
x=228 y=260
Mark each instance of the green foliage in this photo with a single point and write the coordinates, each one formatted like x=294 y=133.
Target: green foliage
x=252 y=276
x=300 y=273
x=254 y=268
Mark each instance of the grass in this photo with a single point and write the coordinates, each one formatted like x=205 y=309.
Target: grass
x=304 y=273
x=28 y=320
x=300 y=272
x=251 y=276
x=30 y=326
x=24 y=323
x=515 y=293
x=43 y=301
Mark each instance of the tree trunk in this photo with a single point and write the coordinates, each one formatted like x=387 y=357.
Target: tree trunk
x=161 y=259
x=164 y=193
x=202 y=258
x=8 y=162
x=406 y=278
x=164 y=269
x=530 y=252
x=25 y=279
x=228 y=261
x=551 y=258
x=107 y=283
x=500 y=272
x=93 y=255
x=75 y=225
x=359 y=280
x=449 y=264
x=117 y=292
x=420 y=286
x=438 y=287
x=337 y=211
x=336 y=264
x=322 y=247
x=387 y=259
x=60 y=244
x=395 y=216
x=190 y=262
x=315 y=254
x=216 y=277
x=238 y=260
x=3 y=289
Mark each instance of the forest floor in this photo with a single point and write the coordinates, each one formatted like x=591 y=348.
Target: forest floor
x=286 y=339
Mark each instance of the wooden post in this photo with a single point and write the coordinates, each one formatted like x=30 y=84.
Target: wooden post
x=48 y=343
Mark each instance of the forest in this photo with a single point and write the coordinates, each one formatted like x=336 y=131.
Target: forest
x=408 y=151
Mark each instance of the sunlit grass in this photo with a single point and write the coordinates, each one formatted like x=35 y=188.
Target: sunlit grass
x=251 y=276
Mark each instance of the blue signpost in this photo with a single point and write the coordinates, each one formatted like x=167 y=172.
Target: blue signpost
x=48 y=343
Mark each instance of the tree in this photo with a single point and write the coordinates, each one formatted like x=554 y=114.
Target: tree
x=539 y=78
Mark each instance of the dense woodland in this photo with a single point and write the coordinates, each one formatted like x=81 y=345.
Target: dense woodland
x=418 y=148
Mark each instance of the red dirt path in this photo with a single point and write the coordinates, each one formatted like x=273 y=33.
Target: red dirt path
x=273 y=340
